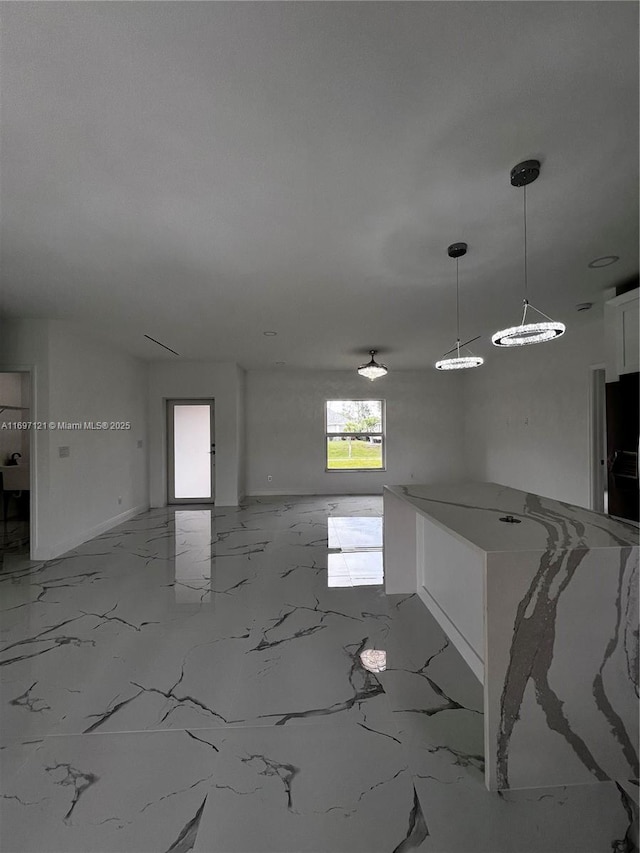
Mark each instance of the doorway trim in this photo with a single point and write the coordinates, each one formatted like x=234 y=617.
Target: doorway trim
x=169 y=455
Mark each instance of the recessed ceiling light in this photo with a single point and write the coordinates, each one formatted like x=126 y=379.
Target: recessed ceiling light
x=604 y=261
x=584 y=306
x=280 y=363
x=269 y=334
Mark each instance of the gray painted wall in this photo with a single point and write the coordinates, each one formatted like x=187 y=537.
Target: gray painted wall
x=527 y=415
x=285 y=430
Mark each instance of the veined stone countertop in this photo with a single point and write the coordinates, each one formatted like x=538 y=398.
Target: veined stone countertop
x=472 y=511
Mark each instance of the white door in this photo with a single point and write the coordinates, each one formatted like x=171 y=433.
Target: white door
x=191 y=451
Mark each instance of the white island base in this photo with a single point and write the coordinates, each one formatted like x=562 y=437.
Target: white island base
x=544 y=610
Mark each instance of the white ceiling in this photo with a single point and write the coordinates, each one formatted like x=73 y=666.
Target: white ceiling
x=203 y=172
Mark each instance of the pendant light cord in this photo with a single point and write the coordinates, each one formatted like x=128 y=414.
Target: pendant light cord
x=525 y=301
x=525 y=246
x=457 y=308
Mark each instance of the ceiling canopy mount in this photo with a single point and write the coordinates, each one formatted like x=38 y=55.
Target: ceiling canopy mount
x=525 y=173
x=457 y=250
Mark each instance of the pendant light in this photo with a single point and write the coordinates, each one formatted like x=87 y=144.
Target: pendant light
x=372 y=370
x=527 y=333
x=458 y=362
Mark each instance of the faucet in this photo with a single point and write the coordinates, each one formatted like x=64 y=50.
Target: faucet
x=14 y=458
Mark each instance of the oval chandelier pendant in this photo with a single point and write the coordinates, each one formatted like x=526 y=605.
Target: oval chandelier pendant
x=532 y=333
x=372 y=370
x=458 y=362
x=527 y=333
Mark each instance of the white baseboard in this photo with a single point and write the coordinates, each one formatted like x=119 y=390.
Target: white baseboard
x=50 y=552
x=275 y=493
x=280 y=493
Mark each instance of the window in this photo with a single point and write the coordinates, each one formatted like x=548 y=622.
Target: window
x=354 y=432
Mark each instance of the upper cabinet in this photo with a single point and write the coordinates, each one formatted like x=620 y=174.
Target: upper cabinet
x=622 y=338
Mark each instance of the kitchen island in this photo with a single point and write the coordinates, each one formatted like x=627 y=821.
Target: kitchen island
x=540 y=598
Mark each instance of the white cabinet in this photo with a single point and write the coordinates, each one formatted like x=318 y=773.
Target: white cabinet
x=622 y=340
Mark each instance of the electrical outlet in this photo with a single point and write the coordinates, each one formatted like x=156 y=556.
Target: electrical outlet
x=139 y=442
x=63 y=452
x=120 y=500
x=269 y=478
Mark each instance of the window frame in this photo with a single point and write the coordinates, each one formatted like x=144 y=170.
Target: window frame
x=382 y=434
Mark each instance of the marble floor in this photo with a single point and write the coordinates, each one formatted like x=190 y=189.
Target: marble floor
x=191 y=680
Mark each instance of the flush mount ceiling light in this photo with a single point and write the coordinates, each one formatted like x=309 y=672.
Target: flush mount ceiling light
x=459 y=362
x=527 y=333
x=269 y=334
x=372 y=370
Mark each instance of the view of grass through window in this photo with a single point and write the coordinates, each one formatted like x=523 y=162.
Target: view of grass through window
x=355 y=434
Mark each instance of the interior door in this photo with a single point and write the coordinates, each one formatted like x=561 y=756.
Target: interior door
x=623 y=444
x=191 y=451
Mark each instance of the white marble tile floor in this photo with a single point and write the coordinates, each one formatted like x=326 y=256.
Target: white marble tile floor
x=190 y=681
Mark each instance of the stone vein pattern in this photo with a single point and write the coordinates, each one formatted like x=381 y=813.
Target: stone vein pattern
x=560 y=677
x=473 y=511
x=189 y=682
x=561 y=633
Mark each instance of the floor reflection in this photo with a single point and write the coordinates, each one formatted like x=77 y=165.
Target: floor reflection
x=355 y=551
x=193 y=556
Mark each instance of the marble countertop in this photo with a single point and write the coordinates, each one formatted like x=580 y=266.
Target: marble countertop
x=472 y=511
